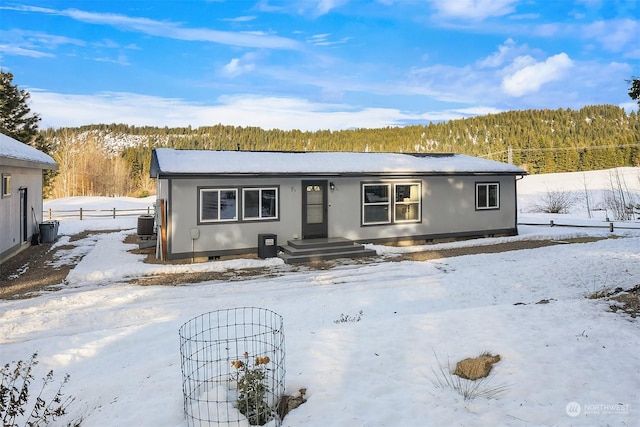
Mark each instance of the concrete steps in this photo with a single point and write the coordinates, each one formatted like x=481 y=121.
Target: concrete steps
x=296 y=251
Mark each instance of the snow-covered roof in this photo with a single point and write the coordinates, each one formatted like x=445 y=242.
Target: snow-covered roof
x=168 y=161
x=15 y=153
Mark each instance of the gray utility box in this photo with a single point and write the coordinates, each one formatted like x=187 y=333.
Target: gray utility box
x=49 y=231
x=267 y=246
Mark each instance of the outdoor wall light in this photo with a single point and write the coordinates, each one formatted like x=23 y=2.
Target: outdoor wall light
x=332 y=186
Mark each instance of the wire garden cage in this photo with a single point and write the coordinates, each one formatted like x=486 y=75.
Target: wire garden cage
x=233 y=367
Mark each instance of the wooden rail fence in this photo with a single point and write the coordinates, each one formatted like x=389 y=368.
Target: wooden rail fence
x=98 y=213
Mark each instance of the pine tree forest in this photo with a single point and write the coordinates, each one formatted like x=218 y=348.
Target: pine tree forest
x=114 y=160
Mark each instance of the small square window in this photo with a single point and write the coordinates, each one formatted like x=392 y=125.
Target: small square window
x=260 y=203
x=218 y=205
x=487 y=196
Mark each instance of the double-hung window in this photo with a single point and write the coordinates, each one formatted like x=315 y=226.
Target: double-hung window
x=407 y=202
x=376 y=206
x=218 y=205
x=487 y=195
x=384 y=203
x=259 y=203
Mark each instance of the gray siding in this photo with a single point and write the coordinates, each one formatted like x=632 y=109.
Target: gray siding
x=11 y=239
x=448 y=209
x=230 y=236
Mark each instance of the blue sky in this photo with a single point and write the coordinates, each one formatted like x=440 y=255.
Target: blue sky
x=315 y=64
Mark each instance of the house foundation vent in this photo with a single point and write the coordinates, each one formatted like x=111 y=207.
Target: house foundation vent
x=233 y=367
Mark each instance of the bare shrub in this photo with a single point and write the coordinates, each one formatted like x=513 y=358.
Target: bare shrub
x=556 y=201
x=619 y=201
x=345 y=318
x=15 y=397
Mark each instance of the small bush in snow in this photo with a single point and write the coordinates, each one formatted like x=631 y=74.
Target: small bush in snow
x=345 y=318
x=15 y=398
x=251 y=379
x=557 y=202
x=620 y=201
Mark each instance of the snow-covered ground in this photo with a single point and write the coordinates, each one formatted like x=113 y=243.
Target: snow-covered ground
x=568 y=362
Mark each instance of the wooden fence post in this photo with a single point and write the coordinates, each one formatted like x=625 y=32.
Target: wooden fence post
x=114 y=213
x=80 y=214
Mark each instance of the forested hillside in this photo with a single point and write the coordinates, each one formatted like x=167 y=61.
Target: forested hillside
x=114 y=159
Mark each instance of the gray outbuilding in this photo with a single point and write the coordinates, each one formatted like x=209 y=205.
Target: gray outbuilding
x=21 y=168
x=213 y=203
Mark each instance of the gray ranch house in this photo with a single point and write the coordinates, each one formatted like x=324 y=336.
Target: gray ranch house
x=214 y=203
x=21 y=168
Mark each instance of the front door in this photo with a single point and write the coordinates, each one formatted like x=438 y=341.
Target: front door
x=314 y=209
x=24 y=215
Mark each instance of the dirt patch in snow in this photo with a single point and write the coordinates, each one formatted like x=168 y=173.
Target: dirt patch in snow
x=35 y=269
x=627 y=301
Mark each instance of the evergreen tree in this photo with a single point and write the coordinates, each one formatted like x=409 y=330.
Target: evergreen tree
x=634 y=90
x=17 y=121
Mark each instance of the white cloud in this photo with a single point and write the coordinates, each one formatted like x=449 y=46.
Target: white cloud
x=325 y=6
x=247 y=18
x=32 y=43
x=498 y=58
x=70 y=110
x=19 y=51
x=173 y=30
x=323 y=40
x=238 y=66
x=473 y=9
x=615 y=35
x=530 y=76
x=629 y=106
x=120 y=60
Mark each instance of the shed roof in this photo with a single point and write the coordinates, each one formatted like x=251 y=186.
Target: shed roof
x=15 y=153
x=172 y=162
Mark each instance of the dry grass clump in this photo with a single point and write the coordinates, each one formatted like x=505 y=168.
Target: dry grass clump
x=476 y=367
x=445 y=378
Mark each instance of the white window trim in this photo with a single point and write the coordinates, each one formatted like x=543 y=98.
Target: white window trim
x=488 y=185
x=260 y=190
x=387 y=203
x=218 y=190
x=417 y=202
